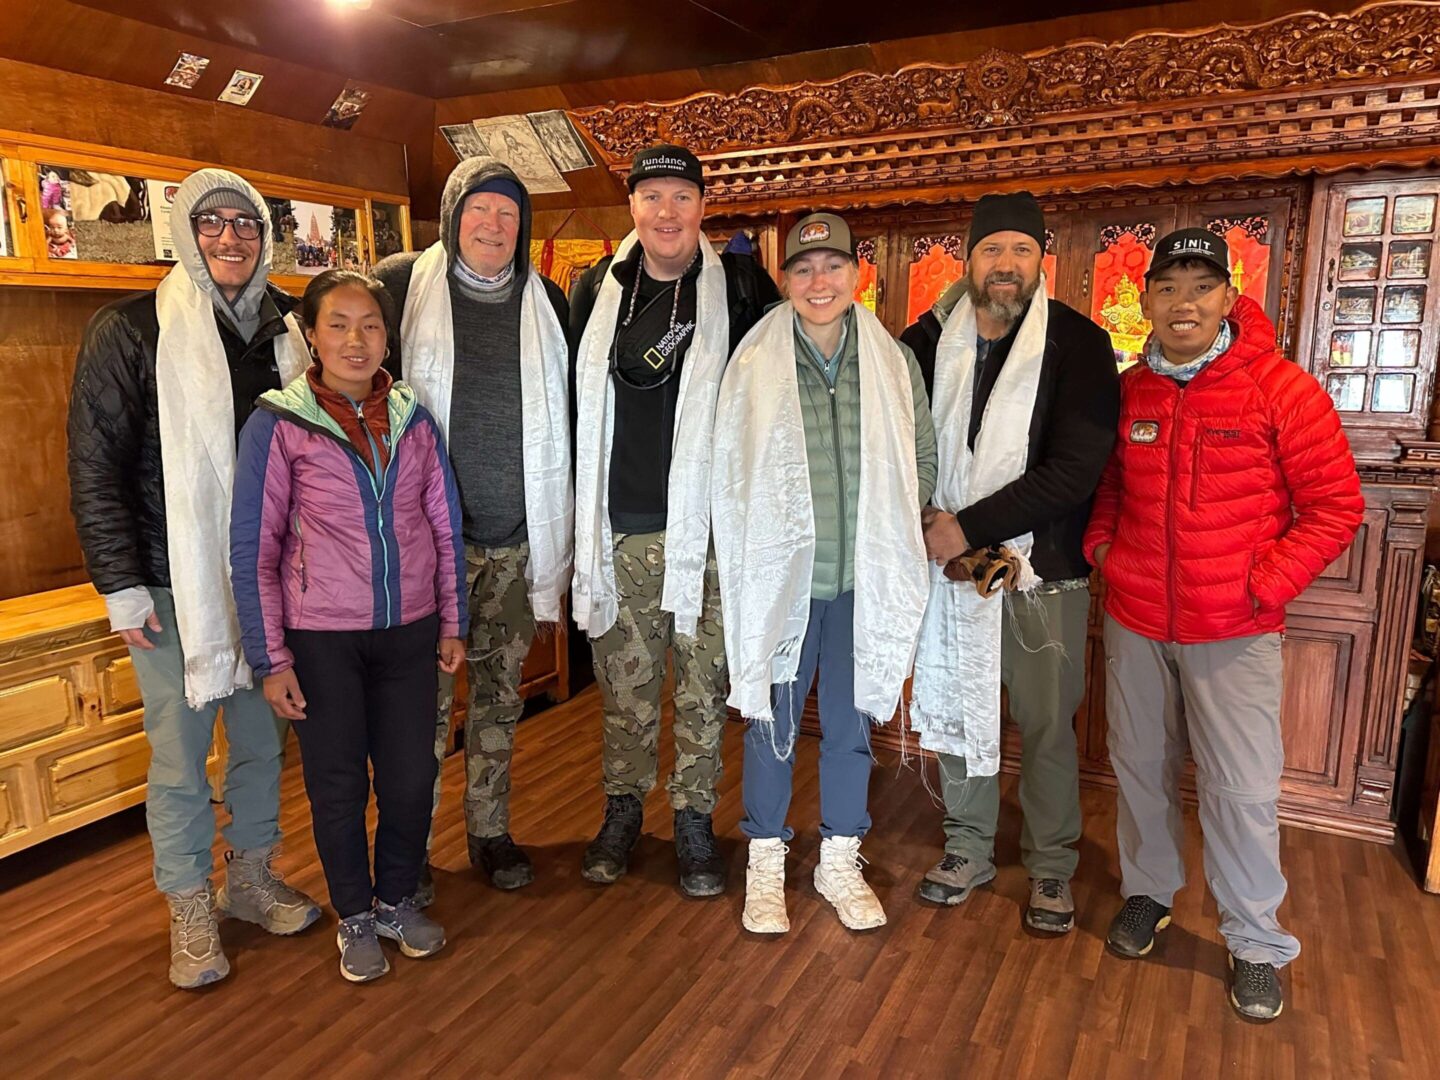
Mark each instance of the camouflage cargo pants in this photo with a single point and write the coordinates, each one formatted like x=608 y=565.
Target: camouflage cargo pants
x=502 y=628
x=630 y=668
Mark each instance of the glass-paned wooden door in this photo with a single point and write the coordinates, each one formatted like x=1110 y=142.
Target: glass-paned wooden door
x=1375 y=340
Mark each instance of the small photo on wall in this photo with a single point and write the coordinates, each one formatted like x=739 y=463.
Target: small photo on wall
x=57 y=213
x=312 y=237
x=464 y=140
x=347 y=108
x=187 y=71
x=242 y=87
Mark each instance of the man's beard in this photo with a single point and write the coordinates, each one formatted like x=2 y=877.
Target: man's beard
x=1005 y=311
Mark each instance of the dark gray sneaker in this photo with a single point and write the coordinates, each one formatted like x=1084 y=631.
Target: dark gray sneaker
x=1255 y=990
x=953 y=879
x=1132 y=931
x=361 y=958
x=425 y=892
x=417 y=933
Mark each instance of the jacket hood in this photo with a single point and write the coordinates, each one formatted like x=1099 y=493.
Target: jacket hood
x=297 y=402
x=1254 y=338
x=464 y=180
x=245 y=308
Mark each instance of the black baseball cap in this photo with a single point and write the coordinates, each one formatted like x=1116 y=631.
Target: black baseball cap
x=666 y=160
x=1183 y=244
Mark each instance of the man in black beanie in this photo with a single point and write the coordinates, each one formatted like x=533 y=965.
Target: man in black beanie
x=985 y=343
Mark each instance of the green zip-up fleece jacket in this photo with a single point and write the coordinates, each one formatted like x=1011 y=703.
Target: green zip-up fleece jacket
x=832 y=444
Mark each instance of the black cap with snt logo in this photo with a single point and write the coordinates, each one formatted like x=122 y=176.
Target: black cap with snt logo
x=1183 y=244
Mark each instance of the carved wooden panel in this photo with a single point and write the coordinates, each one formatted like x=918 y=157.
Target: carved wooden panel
x=1386 y=41
x=1325 y=667
x=1304 y=92
x=36 y=709
x=119 y=688
x=87 y=776
x=11 y=819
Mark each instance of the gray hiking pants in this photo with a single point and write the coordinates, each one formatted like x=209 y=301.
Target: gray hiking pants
x=1221 y=701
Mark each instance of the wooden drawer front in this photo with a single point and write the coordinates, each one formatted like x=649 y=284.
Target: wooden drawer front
x=98 y=772
x=11 y=820
x=31 y=711
x=119 y=688
x=1349 y=586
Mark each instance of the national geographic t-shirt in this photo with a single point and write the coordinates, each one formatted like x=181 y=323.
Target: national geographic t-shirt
x=649 y=355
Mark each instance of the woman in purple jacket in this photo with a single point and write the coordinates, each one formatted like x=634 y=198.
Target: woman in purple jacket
x=347 y=561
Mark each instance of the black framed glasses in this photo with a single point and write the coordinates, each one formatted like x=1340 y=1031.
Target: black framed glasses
x=212 y=225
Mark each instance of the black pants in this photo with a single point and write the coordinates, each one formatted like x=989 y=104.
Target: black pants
x=368 y=694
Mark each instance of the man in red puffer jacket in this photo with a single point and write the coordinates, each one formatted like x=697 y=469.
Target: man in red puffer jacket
x=1231 y=487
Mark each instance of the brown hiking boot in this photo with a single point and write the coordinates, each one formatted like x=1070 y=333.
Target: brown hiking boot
x=952 y=879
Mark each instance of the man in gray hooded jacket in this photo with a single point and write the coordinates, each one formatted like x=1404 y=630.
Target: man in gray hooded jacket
x=121 y=506
x=485 y=244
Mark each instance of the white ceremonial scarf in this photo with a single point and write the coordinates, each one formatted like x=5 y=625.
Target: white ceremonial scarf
x=765 y=518
x=197 y=452
x=687 y=523
x=427 y=337
x=955 y=699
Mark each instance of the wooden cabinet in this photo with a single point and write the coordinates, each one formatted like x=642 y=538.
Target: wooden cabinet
x=72 y=740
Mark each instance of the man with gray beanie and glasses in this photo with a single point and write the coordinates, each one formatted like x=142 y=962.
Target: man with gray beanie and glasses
x=164 y=381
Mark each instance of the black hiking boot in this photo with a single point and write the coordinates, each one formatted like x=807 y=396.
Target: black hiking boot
x=702 y=870
x=501 y=860
x=608 y=856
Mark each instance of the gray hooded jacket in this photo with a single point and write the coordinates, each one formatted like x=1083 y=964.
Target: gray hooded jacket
x=485 y=423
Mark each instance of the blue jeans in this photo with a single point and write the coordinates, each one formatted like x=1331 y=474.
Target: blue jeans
x=845 y=760
x=177 y=795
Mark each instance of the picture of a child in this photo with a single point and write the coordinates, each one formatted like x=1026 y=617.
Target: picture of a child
x=59 y=240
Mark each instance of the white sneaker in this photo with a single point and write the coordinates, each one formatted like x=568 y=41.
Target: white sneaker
x=765 y=888
x=837 y=879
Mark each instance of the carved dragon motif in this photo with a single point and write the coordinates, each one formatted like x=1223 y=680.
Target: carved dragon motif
x=1384 y=40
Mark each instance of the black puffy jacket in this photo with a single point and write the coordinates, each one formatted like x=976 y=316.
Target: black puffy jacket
x=117 y=485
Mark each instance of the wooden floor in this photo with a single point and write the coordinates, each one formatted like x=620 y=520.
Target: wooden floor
x=569 y=979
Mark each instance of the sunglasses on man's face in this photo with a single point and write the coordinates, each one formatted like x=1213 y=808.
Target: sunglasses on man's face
x=212 y=225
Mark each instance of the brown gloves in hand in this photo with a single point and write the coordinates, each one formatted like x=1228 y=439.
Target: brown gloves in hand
x=990 y=569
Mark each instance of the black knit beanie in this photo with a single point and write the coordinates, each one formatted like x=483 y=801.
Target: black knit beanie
x=1018 y=212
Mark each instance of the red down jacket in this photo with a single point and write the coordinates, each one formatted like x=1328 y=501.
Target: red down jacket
x=1225 y=499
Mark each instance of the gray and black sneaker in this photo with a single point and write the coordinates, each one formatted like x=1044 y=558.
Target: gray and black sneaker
x=418 y=934
x=1132 y=931
x=1052 y=909
x=608 y=856
x=1255 y=990
x=196 y=958
x=361 y=958
x=702 y=870
x=501 y=860
x=953 y=879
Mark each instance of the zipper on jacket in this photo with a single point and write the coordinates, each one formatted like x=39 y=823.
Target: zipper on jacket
x=839 y=473
x=1195 y=475
x=374 y=472
x=299 y=536
x=1170 y=513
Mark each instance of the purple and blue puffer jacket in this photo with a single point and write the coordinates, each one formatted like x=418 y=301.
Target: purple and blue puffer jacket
x=318 y=542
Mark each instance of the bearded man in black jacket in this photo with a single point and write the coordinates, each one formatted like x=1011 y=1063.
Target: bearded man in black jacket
x=1072 y=429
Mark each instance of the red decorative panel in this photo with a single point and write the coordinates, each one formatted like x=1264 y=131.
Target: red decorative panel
x=865 y=291
x=1249 y=242
x=1119 y=278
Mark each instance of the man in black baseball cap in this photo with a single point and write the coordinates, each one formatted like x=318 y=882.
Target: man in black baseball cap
x=1187 y=296
x=1007 y=368
x=645 y=582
